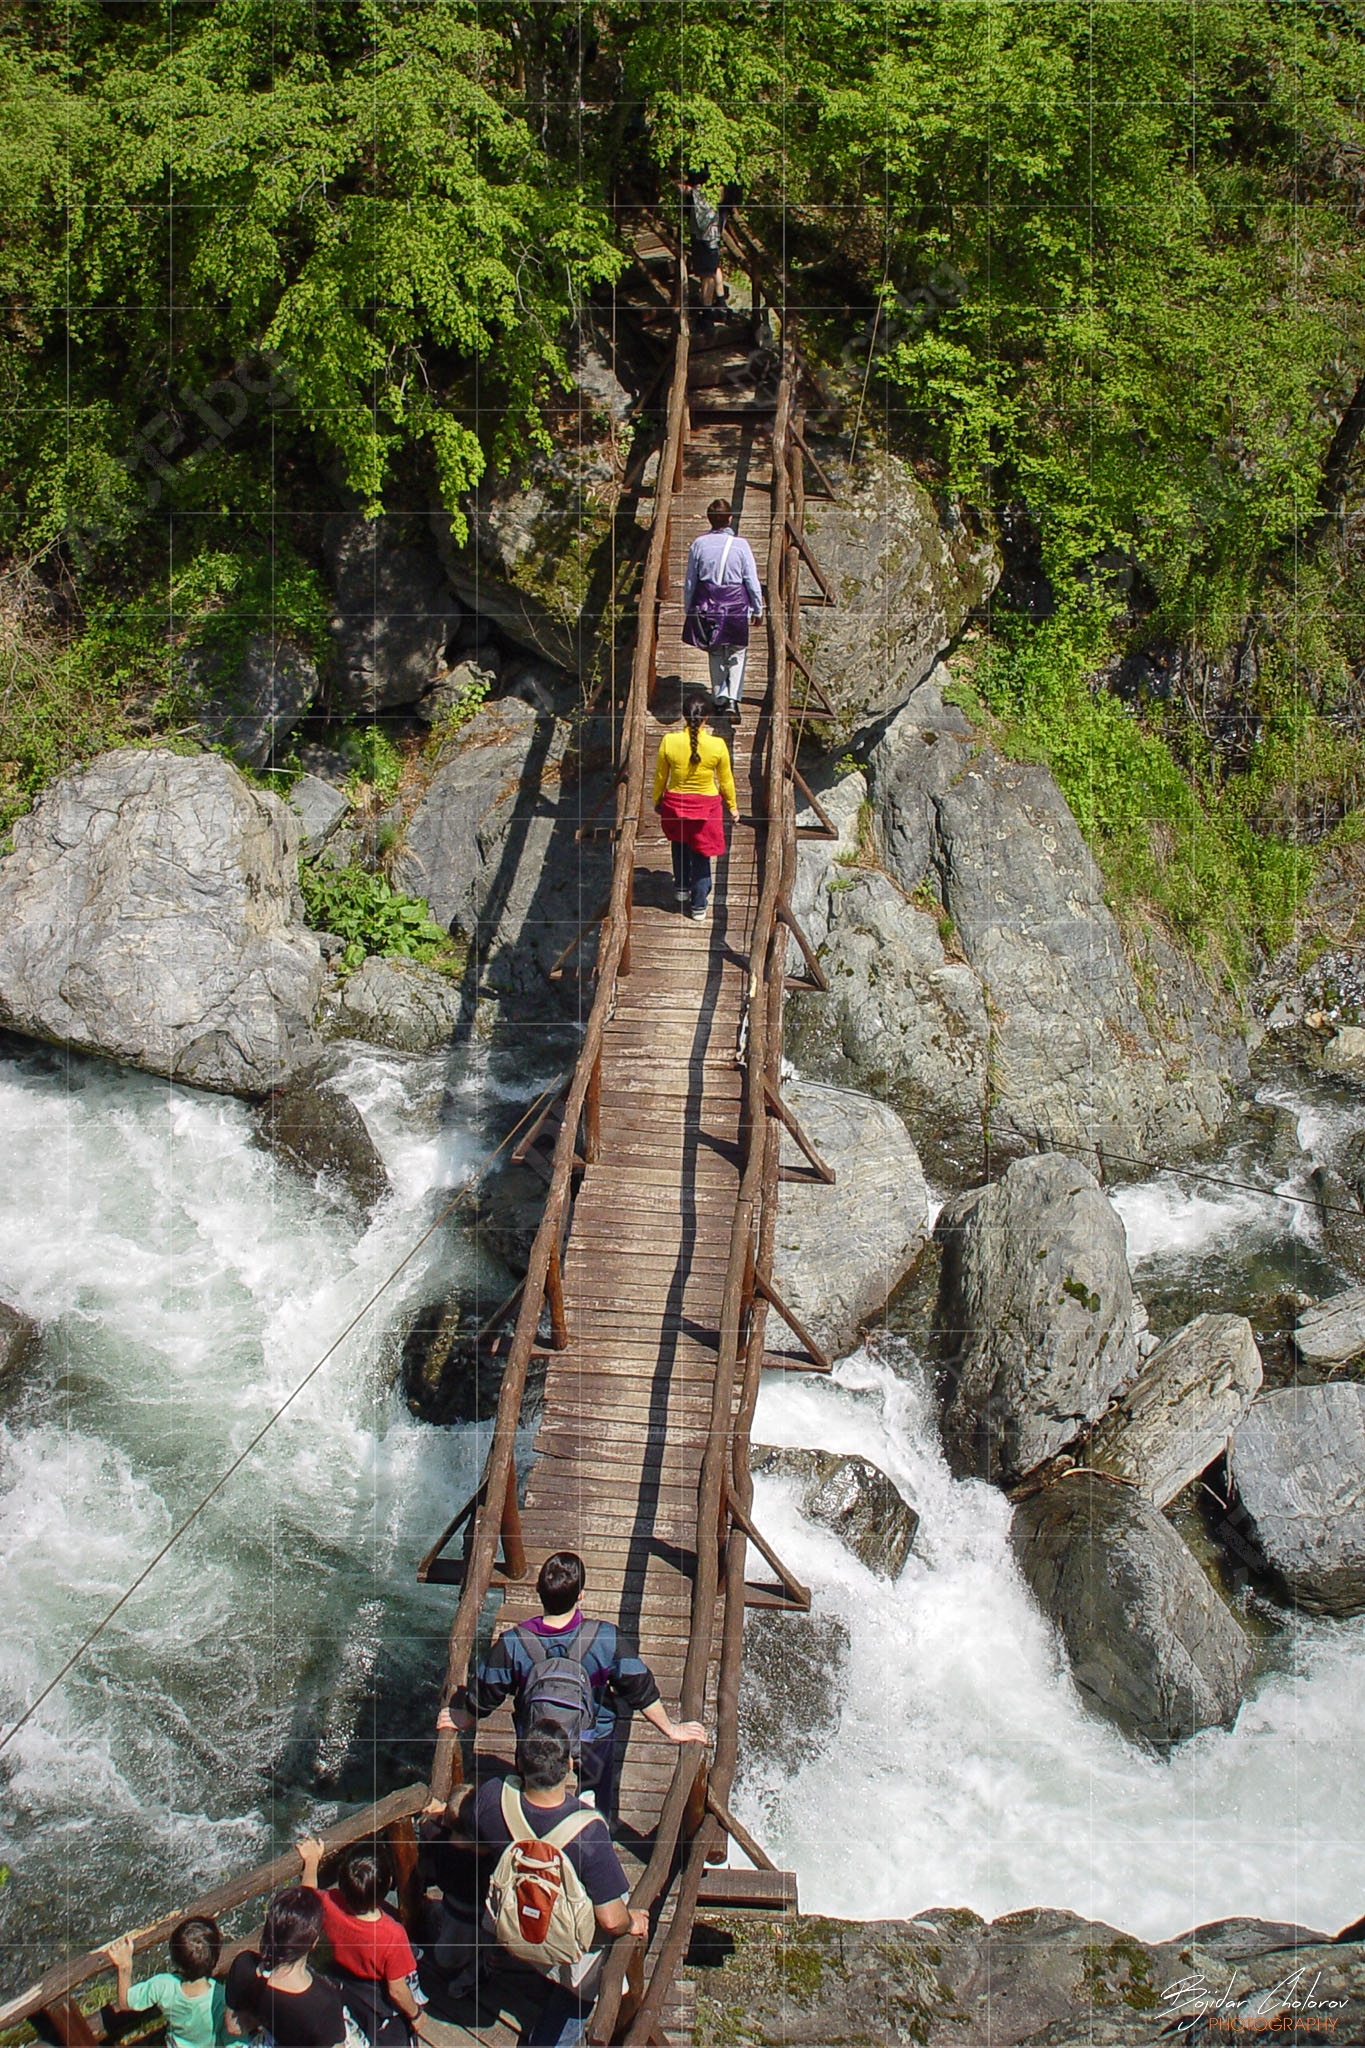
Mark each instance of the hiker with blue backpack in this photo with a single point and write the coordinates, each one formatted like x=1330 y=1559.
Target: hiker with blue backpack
x=563 y=1668
x=721 y=593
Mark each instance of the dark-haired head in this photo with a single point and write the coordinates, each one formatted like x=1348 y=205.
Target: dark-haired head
x=697 y=708
x=365 y=1877
x=544 y=1757
x=560 y=1582
x=195 y=1947
x=293 y=1924
x=719 y=512
x=698 y=176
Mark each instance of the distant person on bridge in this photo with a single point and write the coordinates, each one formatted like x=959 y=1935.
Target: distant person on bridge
x=691 y=777
x=569 y=1670
x=552 y=1918
x=705 y=227
x=721 y=593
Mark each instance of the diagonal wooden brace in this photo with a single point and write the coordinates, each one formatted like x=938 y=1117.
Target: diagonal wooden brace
x=815 y=972
x=819 y=1357
x=557 y=971
x=528 y=1138
x=799 y=541
x=822 y=1170
x=826 y=829
x=814 y=461
x=797 y=1596
x=738 y=1833
x=794 y=655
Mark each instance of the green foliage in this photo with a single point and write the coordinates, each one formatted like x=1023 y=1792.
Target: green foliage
x=370 y=914
x=460 y=708
x=375 y=762
x=1168 y=831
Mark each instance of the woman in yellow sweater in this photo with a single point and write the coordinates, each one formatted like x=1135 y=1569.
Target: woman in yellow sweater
x=691 y=776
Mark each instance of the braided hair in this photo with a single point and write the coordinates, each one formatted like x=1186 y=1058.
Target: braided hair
x=696 y=709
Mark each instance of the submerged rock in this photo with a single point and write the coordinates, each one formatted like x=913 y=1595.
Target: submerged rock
x=792 y=1685
x=1298 y=1467
x=1181 y=1412
x=1342 y=1220
x=853 y=1498
x=1151 y=1646
x=1035 y=1316
x=842 y=1249
x=320 y=1130
x=150 y=912
x=398 y=1003
x=444 y=1376
x=1333 y=1333
x=19 y=1336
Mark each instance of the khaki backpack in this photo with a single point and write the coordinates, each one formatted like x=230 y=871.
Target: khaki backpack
x=541 y=1912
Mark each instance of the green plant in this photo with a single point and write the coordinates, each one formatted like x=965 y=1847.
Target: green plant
x=370 y=914
x=375 y=762
x=459 y=708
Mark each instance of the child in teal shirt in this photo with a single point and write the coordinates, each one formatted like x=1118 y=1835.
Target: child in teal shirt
x=191 y=2000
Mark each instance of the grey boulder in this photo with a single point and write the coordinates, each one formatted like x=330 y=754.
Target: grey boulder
x=1333 y=1333
x=1150 y=1644
x=1298 y=1467
x=854 y=1499
x=394 y=615
x=1035 y=1316
x=150 y=912
x=904 y=582
x=491 y=846
x=842 y=1249
x=792 y=1686
x=321 y=806
x=252 y=702
x=1181 y=1412
x=320 y=1130
x=397 y=1003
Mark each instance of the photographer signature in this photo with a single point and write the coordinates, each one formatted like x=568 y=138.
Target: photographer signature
x=1198 y=1999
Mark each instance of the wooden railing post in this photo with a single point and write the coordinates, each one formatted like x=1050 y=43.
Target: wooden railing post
x=694 y=1813
x=554 y=1290
x=592 y=1115
x=64 y=2023
x=401 y=1836
x=513 y=1549
x=623 y=966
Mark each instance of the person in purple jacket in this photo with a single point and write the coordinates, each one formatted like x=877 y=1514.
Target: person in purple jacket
x=721 y=593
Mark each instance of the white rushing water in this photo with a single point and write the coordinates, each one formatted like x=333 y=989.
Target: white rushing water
x=186 y=1280
x=964 y=1770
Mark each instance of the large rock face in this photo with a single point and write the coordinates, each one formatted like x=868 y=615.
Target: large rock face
x=904 y=583
x=1298 y=1466
x=1151 y=1645
x=150 y=912
x=19 y=1337
x=491 y=846
x=1039 y=1976
x=977 y=975
x=1179 y=1416
x=841 y=1250
x=792 y=1686
x=1035 y=1316
x=394 y=615
x=1073 y=1057
x=852 y=1498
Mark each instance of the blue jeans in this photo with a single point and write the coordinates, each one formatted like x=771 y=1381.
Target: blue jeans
x=692 y=871
x=562 y=2020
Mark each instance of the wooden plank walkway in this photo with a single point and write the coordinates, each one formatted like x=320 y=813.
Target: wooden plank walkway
x=623 y=1427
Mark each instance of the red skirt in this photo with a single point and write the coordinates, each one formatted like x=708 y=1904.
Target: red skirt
x=694 y=821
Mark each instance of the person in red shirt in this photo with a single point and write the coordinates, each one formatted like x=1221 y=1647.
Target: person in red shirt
x=371 y=1954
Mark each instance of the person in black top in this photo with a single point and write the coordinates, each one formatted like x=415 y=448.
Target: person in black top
x=449 y=1859
x=275 y=1990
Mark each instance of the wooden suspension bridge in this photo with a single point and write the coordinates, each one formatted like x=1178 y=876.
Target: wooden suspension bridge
x=653 y=1259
